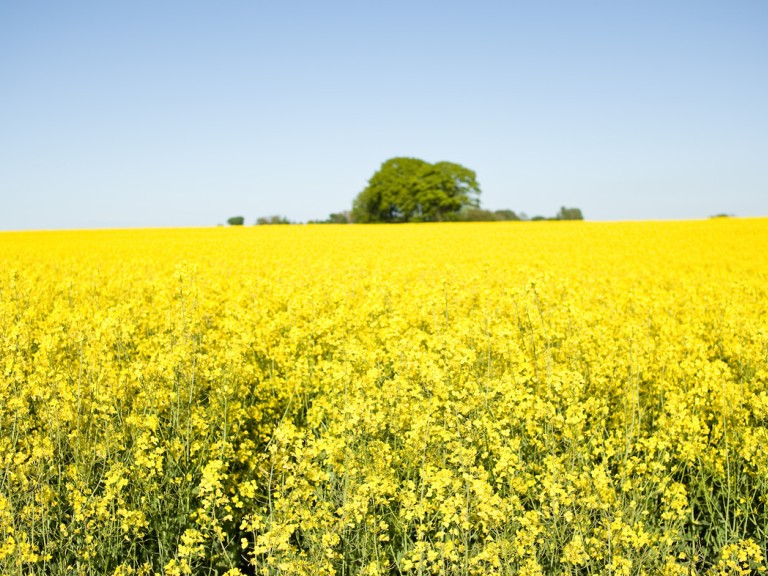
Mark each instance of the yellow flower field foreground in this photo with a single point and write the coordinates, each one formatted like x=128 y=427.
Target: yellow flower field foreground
x=513 y=398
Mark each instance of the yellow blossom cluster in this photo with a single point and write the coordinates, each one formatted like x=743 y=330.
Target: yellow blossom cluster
x=486 y=398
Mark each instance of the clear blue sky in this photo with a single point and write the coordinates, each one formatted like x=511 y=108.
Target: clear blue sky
x=168 y=113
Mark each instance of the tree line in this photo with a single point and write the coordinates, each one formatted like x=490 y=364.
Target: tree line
x=412 y=190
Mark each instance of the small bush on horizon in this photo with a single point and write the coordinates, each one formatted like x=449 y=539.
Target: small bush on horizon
x=472 y=214
x=272 y=220
x=343 y=217
x=569 y=214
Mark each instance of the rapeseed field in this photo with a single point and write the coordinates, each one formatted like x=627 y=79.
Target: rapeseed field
x=490 y=398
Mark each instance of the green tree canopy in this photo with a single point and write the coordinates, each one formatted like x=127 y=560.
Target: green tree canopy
x=412 y=190
x=569 y=214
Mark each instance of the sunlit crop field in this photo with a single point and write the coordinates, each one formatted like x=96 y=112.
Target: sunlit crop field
x=512 y=398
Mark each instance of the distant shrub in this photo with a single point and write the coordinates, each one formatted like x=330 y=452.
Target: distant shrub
x=339 y=218
x=477 y=215
x=569 y=214
x=472 y=214
x=272 y=220
x=236 y=221
x=507 y=215
x=334 y=218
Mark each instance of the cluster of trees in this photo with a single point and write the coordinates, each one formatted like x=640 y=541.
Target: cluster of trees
x=480 y=215
x=344 y=217
x=272 y=220
x=240 y=220
x=412 y=190
x=563 y=214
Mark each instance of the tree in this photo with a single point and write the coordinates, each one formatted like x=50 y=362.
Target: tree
x=476 y=215
x=334 y=218
x=412 y=190
x=569 y=214
x=236 y=221
x=471 y=214
x=507 y=215
x=338 y=218
x=263 y=220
